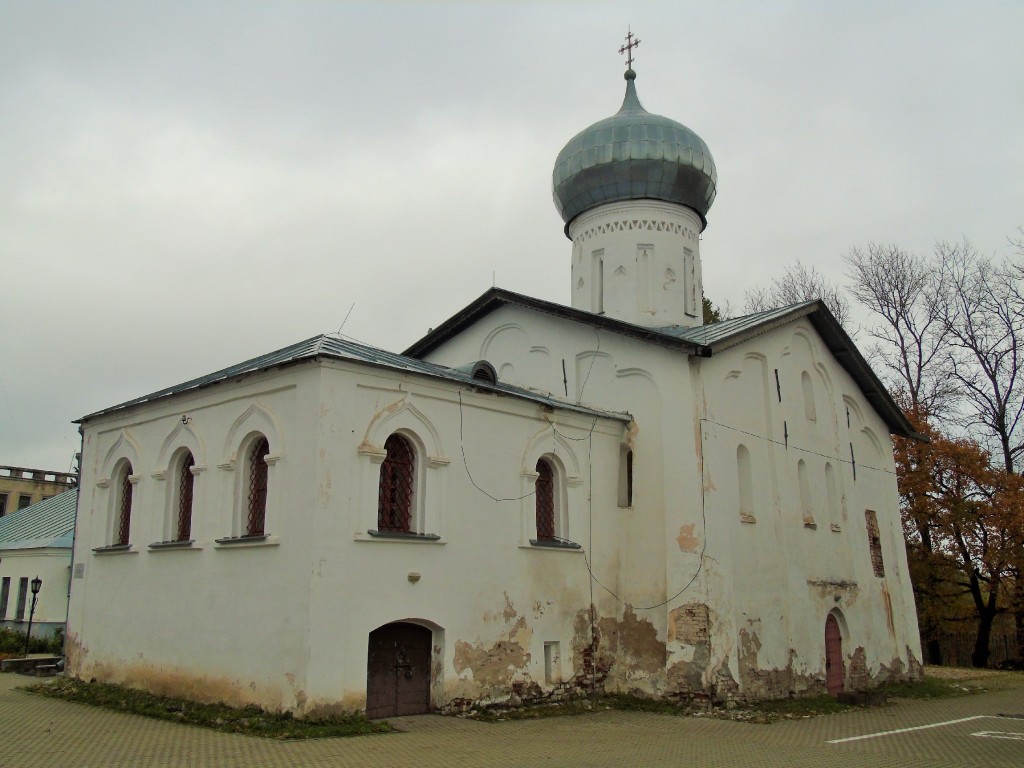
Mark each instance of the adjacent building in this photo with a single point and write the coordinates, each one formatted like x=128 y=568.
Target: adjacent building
x=36 y=542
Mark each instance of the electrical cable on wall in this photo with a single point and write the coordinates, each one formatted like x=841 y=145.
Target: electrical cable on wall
x=790 y=446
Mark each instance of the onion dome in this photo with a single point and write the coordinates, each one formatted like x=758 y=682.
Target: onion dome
x=633 y=155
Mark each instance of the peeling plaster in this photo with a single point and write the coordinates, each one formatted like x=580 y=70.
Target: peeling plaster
x=686 y=540
x=495 y=666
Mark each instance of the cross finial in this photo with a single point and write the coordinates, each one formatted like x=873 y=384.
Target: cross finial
x=631 y=43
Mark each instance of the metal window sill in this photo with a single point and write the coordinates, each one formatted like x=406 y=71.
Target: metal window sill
x=245 y=542
x=162 y=546
x=411 y=537
x=114 y=549
x=571 y=546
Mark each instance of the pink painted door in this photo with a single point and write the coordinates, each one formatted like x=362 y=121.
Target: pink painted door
x=834 y=672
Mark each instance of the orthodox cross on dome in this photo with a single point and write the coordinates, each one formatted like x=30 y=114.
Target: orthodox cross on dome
x=629 y=46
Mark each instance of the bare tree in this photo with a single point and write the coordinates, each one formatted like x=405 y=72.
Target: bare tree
x=901 y=288
x=983 y=314
x=799 y=283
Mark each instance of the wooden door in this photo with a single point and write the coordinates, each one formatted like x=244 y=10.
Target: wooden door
x=834 y=671
x=398 y=670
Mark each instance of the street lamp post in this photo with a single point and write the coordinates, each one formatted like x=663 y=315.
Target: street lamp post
x=37 y=584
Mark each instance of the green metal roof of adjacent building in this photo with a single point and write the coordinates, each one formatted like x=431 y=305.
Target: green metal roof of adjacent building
x=48 y=523
x=633 y=155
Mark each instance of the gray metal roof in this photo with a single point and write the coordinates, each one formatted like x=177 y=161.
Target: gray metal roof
x=336 y=348
x=702 y=340
x=727 y=333
x=48 y=523
x=633 y=155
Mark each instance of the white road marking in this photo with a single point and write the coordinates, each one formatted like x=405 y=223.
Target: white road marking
x=915 y=728
x=1000 y=735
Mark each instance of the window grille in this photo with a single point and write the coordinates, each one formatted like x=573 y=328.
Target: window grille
x=874 y=543
x=545 y=499
x=397 y=474
x=124 y=519
x=185 y=483
x=257 y=488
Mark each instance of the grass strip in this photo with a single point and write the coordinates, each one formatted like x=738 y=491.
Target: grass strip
x=250 y=721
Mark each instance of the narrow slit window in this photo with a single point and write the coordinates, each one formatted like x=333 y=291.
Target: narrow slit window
x=597 y=283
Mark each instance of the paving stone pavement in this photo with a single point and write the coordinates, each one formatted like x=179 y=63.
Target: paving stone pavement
x=38 y=731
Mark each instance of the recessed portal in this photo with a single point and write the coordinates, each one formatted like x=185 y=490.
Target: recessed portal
x=398 y=670
x=834 y=671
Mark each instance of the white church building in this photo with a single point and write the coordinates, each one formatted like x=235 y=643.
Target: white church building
x=534 y=500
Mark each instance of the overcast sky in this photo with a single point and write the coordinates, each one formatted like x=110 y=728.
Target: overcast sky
x=185 y=185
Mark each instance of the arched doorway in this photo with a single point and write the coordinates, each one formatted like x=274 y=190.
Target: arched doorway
x=834 y=670
x=398 y=670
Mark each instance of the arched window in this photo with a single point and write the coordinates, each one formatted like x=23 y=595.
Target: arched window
x=257 y=502
x=746 y=483
x=183 y=526
x=123 y=508
x=397 y=486
x=545 y=500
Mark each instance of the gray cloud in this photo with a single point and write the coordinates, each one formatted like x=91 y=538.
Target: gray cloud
x=187 y=185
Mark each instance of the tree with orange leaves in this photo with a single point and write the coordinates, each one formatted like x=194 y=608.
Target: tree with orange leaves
x=962 y=518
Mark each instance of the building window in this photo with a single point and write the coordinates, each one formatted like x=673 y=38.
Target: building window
x=24 y=500
x=625 y=477
x=690 y=280
x=123 y=509
x=256 y=509
x=874 y=543
x=19 y=610
x=5 y=594
x=186 y=481
x=745 y=477
x=397 y=486
x=544 y=493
